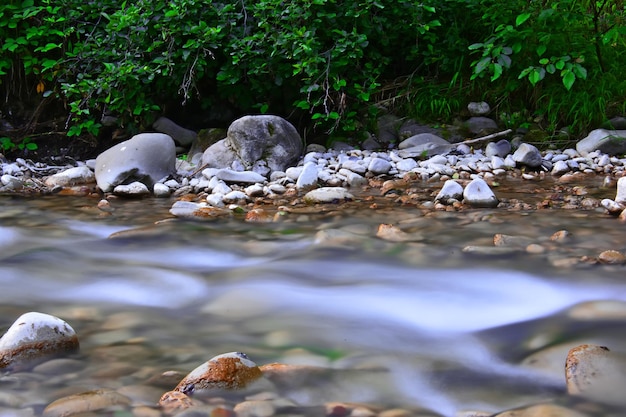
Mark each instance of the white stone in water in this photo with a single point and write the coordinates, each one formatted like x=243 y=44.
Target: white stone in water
x=34 y=337
x=354 y=166
x=71 y=176
x=255 y=190
x=294 y=172
x=220 y=187
x=528 y=155
x=450 y=191
x=234 y=197
x=478 y=194
x=621 y=190
x=308 y=176
x=328 y=195
x=247 y=177
x=229 y=371
x=161 y=190
x=596 y=373
x=135 y=188
x=497 y=163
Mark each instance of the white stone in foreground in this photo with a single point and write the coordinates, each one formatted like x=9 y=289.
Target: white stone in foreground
x=450 y=191
x=71 y=176
x=478 y=194
x=328 y=195
x=34 y=337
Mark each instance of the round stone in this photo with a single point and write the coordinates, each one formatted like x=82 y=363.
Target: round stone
x=33 y=338
x=478 y=194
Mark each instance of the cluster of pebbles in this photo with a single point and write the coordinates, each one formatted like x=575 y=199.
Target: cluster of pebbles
x=232 y=385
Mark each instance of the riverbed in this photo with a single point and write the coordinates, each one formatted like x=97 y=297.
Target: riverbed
x=434 y=322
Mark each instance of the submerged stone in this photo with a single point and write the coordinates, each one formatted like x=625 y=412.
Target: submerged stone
x=229 y=371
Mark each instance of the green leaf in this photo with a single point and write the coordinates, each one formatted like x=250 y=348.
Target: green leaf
x=521 y=18
x=541 y=49
x=497 y=71
x=475 y=46
x=481 y=65
x=568 y=79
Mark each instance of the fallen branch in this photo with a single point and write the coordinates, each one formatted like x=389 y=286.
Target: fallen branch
x=489 y=137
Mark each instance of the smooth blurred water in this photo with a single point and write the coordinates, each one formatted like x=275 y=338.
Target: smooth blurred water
x=416 y=310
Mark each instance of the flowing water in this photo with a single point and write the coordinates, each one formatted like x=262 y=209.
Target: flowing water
x=430 y=325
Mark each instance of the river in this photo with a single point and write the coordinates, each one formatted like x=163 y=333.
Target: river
x=431 y=325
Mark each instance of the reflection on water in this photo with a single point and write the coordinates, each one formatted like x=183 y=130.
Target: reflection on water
x=415 y=310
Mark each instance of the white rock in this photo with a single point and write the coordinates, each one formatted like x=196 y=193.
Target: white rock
x=621 y=190
x=352 y=178
x=72 y=176
x=308 y=176
x=135 y=188
x=247 y=177
x=215 y=200
x=560 y=167
x=234 y=197
x=497 y=163
x=11 y=182
x=220 y=187
x=161 y=190
x=34 y=337
x=450 y=191
x=379 y=166
x=478 y=194
x=528 y=155
x=405 y=165
x=255 y=190
x=328 y=195
x=354 y=166
x=293 y=172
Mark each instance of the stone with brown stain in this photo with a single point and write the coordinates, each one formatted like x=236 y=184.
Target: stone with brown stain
x=596 y=373
x=33 y=338
x=85 y=402
x=174 y=401
x=612 y=257
x=229 y=371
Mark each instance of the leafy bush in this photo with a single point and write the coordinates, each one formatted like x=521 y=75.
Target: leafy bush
x=329 y=63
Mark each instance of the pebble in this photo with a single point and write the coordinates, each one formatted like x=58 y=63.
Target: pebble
x=542 y=410
x=33 y=338
x=451 y=192
x=308 y=177
x=612 y=257
x=85 y=402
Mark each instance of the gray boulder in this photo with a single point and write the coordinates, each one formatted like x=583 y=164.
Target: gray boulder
x=528 y=155
x=250 y=139
x=480 y=125
x=182 y=136
x=611 y=142
x=478 y=108
x=423 y=145
x=147 y=158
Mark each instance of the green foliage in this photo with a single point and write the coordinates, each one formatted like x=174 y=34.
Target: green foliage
x=6 y=144
x=568 y=51
x=329 y=63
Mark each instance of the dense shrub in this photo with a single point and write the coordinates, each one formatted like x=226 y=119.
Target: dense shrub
x=326 y=63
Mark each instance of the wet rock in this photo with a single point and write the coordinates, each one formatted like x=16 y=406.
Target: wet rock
x=542 y=410
x=599 y=310
x=72 y=176
x=182 y=136
x=393 y=233
x=229 y=371
x=528 y=155
x=559 y=168
x=478 y=194
x=189 y=209
x=134 y=189
x=611 y=142
x=612 y=207
x=451 y=192
x=255 y=408
x=500 y=239
x=596 y=373
x=174 y=401
x=328 y=195
x=147 y=158
x=33 y=338
x=612 y=257
x=85 y=402
x=249 y=139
